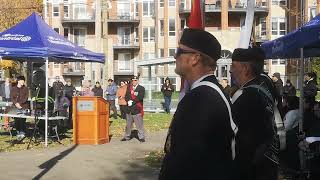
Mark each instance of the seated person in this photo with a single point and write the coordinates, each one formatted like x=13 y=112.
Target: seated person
x=62 y=104
x=19 y=97
x=291 y=119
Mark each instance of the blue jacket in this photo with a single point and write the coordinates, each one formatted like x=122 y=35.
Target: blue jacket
x=111 y=92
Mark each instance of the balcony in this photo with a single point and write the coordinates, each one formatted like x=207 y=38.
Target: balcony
x=124 y=42
x=78 y=14
x=127 y=17
x=123 y=67
x=240 y=6
x=74 y=69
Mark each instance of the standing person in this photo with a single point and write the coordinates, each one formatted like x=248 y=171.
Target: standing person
x=19 y=97
x=167 y=89
x=200 y=138
x=111 y=92
x=121 y=94
x=289 y=89
x=226 y=87
x=252 y=107
x=57 y=86
x=97 y=90
x=134 y=97
x=279 y=91
x=69 y=90
x=310 y=89
x=86 y=90
x=6 y=90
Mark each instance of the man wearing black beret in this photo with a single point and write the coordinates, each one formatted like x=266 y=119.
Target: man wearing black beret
x=253 y=112
x=200 y=141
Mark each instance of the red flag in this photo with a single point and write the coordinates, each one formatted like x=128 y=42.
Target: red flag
x=196 y=18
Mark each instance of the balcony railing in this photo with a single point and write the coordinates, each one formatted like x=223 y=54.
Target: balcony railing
x=124 y=17
x=123 y=67
x=126 y=43
x=75 y=69
x=79 y=13
x=238 y=6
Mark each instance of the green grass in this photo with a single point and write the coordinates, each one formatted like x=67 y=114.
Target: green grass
x=152 y=122
x=159 y=95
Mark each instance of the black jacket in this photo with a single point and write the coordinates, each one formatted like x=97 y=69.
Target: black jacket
x=253 y=114
x=310 y=91
x=198 y=144
x=69 y=90
x=289 y=90
x=57 y=86
x=140 y=92
x=165 y=89
x=279 y=90
x=98 y=91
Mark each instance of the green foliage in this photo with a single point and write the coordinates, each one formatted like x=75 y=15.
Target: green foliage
x=315 y=64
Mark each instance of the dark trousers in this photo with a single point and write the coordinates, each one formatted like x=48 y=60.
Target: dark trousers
x=123 y=111
x=112 y=106
x=69 y=120
x=167 y=102
x=20 y=124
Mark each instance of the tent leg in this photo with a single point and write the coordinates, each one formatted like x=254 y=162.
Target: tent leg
x=46 y=104
x=301 y=106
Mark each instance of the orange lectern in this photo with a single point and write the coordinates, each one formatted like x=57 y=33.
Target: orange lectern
x=90 y=120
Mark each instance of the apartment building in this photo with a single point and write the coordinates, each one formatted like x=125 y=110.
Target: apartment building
x=143 y=30
x=311 y=8
x=80 y=22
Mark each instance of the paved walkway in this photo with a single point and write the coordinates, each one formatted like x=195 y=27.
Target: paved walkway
x=113 y=161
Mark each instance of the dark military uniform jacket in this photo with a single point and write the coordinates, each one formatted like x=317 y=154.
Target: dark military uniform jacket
x=198 y=144
x=139 y=92
x=256 y=140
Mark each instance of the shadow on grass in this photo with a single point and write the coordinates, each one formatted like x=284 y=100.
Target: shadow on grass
x=46 y=166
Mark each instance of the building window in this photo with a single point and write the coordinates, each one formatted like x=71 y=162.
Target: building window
x=124 y=35
x=313 y=12
x=172 y=52
x=148 y=55
x=172 y=27
x=148 y=34
x=80 y=11
x=161 y=3
x=263 y=27
x=161 y=53
x=161 y=27
x=279 y=2
x=124 y=61
x=172 y=3
x=279 y=26
x=79 y=35
x=136 y=8
x=148 y=8
x=57 y=30
x=66 y=11
x=278 y=62
x=183 y=24
x=136 y=35
x=55 y=11
x=123 y=10
x=66 y=33
x=183 y=4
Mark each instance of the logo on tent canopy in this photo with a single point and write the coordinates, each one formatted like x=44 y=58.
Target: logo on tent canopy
x=54 y=40
x=15 y=37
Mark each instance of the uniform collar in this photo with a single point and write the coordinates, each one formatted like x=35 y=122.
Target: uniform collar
x=199 y=80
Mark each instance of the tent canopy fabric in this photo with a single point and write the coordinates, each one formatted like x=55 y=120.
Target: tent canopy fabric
x=306 y=37
x=33 y=39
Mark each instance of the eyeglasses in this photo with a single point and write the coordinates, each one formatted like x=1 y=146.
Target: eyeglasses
x=180 y=51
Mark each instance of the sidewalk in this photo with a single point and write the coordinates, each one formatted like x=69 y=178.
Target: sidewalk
x=113 y=161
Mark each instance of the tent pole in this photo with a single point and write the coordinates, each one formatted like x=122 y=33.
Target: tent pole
x=301 y=105
x=46 y=104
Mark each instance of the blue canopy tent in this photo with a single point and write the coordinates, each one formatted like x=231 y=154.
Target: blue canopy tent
x=302 y=43
x=34 y=40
